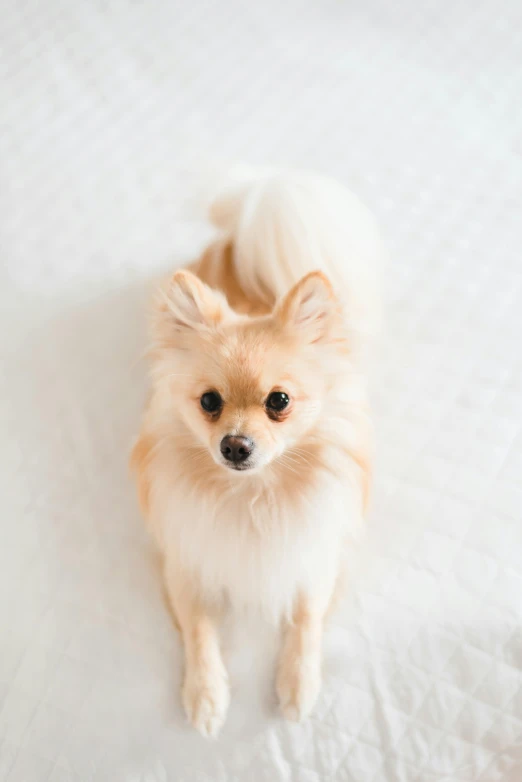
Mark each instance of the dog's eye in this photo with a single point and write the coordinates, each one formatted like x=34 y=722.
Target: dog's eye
x=211 y=402
x=277 y=401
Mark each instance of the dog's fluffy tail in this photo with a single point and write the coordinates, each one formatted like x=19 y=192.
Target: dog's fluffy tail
x=284 y=224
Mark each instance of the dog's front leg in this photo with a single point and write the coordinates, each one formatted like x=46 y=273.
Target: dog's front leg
x=206 y=694
x=299 y=670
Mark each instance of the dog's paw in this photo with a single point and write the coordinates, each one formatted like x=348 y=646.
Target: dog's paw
x=298 y=686
x=206 y=698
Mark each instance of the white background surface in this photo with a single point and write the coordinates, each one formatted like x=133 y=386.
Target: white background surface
x=105 y=107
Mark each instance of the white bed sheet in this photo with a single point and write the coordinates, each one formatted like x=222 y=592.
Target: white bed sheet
x=105 y=107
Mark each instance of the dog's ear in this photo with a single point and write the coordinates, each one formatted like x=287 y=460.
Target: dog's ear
x=190 y=304
x=310 y=307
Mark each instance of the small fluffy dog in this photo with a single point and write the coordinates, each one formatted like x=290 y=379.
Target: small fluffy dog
x=253 y=461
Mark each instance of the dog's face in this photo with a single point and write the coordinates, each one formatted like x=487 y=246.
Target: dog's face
x=248 y=389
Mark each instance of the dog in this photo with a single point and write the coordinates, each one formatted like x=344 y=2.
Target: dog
x=253 y=463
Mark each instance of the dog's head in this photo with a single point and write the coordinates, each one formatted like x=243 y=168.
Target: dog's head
x=247 y=389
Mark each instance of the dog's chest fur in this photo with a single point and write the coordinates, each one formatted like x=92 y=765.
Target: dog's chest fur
x=259 y=548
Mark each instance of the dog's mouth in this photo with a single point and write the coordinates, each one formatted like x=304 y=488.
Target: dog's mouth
x=245 y=467
x=239 y=466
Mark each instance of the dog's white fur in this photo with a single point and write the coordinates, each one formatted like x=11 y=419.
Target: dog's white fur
x=271 y=537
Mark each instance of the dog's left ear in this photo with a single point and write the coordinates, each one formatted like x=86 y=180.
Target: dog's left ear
x=190 y=304
x=310 y=307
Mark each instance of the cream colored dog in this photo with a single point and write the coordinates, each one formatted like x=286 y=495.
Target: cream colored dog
x=253 y=461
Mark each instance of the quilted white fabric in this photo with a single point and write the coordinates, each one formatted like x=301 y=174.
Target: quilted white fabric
x=105 y=108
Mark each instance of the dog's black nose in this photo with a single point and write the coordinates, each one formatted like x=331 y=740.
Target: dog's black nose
x=236 y=448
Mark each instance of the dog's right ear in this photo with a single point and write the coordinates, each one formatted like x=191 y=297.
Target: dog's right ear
x=190 y=304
